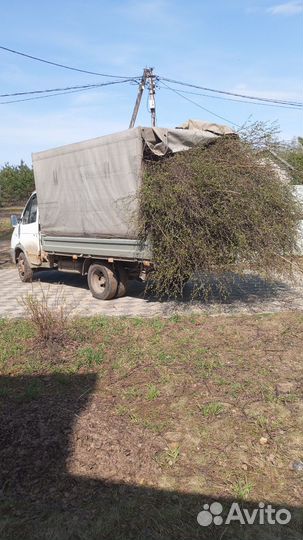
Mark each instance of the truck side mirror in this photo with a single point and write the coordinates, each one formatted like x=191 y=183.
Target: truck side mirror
x=14 y=220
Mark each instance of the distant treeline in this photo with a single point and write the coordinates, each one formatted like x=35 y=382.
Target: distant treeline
x=16 y=184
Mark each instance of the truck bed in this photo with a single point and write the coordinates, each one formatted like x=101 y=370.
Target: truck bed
x=116 y=248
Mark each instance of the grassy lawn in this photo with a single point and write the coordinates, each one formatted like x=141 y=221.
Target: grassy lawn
x=131 y=425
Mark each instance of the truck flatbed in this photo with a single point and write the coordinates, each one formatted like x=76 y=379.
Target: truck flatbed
x=116 y=248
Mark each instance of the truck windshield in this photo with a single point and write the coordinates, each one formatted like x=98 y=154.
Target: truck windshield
x=30 y=212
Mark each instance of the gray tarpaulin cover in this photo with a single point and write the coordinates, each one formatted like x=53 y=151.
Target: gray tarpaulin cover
x=88 y=189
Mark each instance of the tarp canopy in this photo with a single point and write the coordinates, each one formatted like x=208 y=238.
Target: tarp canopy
x=89 y=189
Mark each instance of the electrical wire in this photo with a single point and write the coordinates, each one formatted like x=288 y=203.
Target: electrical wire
x=63 y=93
x=245 y=96
x=62 y=65
x=241 y=100
x=64 y=89
x=200 y=106
x=268 y=100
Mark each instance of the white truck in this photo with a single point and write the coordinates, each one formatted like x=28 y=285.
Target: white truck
x=83 y=216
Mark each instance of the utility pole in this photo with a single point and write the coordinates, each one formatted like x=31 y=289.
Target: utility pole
x=152 y=101
x=138 y=100
x=147 y=78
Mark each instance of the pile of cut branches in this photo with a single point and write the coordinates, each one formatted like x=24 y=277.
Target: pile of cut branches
x=216 y=209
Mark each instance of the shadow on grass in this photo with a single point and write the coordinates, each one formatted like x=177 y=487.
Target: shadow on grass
x=247 y=289
x=41 y=500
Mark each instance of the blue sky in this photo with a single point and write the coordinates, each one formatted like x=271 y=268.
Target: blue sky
x=248 y=46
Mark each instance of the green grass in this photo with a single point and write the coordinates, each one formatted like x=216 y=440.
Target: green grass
x=242 y=488
x=165 y=358
x=155 y=426
x=262 y=421
x=132 y=393
x=152 y=392
x=211 y=409
x=207 y=366
x=89 y=356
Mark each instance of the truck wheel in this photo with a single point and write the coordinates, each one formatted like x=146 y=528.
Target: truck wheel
x=102 y=281
x=24 y=269
x=122 y=283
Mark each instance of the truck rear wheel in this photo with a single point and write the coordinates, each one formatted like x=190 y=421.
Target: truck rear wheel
x=122 y=282
x=24 y=269
x=102 y=281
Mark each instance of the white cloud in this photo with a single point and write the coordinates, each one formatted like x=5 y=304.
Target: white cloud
x=289 y=8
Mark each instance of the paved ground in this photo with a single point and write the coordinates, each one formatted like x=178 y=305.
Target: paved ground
x=247 y=295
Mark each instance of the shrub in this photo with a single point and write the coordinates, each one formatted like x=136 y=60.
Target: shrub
x=216 y=209
x=50 y=318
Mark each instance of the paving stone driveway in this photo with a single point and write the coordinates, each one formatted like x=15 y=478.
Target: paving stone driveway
x=247 y=295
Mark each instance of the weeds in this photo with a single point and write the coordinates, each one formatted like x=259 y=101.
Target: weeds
x=155 y=427
x=262 y=421
x=131 y=393
x=207 y=365
x=49 y=318
x=172 y=455
x=242 y=489
x=169 y=457
x=152 y=392
x=211 y=409
x=89 y=356
x=122 y=410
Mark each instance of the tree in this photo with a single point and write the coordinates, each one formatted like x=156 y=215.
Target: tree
x=16 y=183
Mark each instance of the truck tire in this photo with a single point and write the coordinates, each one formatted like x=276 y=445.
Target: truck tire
x=24 y=269
x=122 y=282
x=102 y=281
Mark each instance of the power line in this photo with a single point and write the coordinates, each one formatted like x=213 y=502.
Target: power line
x=65 y=88
x=200 y=106
x=241 y=100
x=42 y=97
x=62 y=65
x=245 y=96
x=225 y=92
x=62 y=93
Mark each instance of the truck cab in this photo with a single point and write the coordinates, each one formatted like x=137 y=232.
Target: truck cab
x=26 y=241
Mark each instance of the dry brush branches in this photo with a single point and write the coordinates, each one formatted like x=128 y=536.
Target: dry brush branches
x=215 y=209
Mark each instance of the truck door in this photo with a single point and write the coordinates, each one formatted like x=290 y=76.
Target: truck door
x=29 y=234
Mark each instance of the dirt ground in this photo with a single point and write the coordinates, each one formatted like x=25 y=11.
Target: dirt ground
x=131 y=425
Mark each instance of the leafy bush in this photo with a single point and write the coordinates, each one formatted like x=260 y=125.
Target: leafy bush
x=16 y=183
x=215 y=209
